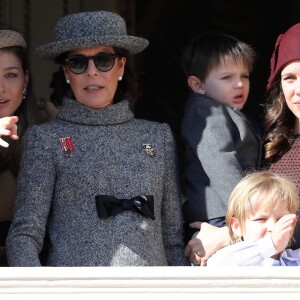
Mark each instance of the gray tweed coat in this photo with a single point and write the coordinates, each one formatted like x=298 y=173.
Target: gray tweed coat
x=109 y=158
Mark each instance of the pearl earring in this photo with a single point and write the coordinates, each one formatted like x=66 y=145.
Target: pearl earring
x=68 y=81
x=120 y=78
x=24 y=93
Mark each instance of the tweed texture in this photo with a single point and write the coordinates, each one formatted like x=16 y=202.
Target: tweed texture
x=109 y=159
x=221 y=146
x=288 y=163
x=88 y=29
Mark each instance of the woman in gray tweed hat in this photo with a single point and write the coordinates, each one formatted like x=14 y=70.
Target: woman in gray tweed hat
x=102 y=184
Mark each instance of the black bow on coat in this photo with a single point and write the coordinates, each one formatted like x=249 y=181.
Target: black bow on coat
x=108 y=206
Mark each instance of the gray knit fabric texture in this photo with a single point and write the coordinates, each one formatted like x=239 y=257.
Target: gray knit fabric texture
x=89 y=29
x=109 y=158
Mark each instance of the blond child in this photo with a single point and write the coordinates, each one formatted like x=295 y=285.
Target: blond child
x=261 y=218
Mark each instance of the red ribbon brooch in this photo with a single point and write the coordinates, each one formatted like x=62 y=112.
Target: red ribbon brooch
x=67 y=146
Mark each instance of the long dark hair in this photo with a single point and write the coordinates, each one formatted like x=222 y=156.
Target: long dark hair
x=28 y=108
x=28 y=113
x=279 y=124
x=127 y=88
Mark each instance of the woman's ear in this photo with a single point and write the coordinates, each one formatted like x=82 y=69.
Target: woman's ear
x=236 y=228
x=26 y=78
x=66 y=71
x=122 y=66
x=196 y=85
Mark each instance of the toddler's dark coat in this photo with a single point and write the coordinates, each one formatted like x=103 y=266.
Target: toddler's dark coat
x=221 y=145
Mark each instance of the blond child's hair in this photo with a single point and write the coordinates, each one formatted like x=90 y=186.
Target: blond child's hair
x=270 y=190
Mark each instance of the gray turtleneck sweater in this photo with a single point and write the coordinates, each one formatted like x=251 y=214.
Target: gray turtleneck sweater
x=58 y=192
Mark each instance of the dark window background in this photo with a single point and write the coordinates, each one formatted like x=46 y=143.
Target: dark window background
x=170 y=25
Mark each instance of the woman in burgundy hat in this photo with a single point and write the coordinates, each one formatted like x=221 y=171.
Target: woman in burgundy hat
x=282 y=119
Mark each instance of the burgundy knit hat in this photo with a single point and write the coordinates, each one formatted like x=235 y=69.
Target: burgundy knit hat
x=287 y=49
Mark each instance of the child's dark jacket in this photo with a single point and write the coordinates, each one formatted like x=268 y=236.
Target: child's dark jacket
x=221 y=146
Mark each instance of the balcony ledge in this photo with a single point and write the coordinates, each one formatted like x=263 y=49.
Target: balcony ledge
x=149 y=283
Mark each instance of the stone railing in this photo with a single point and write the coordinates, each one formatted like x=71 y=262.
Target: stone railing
x=153 y=283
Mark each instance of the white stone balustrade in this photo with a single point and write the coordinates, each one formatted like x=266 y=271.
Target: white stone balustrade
x=153 y=283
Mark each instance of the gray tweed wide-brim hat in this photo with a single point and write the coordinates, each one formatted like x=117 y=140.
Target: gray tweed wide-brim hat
x=89 y=29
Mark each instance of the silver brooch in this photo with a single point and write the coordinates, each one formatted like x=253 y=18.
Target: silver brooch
x=149 y=150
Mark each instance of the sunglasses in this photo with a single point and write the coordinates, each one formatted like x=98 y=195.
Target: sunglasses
x=78 y=64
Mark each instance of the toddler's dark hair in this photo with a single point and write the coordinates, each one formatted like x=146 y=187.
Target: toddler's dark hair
x=207 y=50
